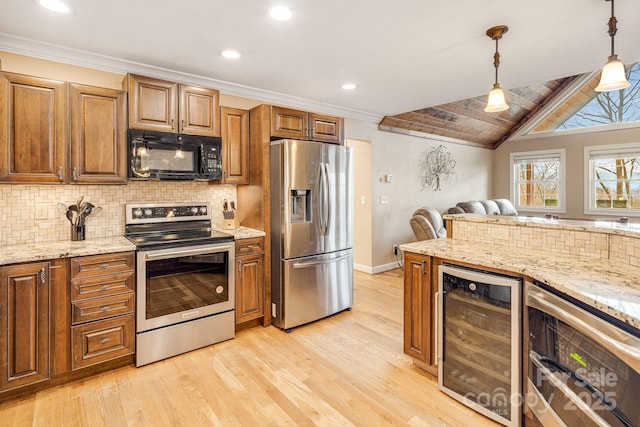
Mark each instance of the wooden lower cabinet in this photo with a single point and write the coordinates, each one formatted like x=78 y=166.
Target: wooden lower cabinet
x=102 y=308
x=24 y=325
x=250 y=286
x=420 y=284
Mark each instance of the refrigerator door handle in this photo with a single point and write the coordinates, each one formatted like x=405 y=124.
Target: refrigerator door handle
x=314 y=263
x=329 y=207
x=321 y=197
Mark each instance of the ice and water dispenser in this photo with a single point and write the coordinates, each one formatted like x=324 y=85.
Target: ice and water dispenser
x=300 y=206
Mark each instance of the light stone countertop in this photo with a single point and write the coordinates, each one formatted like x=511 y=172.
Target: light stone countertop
x=603 y=284
x=63 y=249
x=41 y=251
x=607 y=227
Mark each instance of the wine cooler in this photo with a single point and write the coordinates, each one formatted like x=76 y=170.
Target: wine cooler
x=479 y=341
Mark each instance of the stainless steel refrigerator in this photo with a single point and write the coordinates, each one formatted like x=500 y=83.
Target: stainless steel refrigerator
x=311 y=231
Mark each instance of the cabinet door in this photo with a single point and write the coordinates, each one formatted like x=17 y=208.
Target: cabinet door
x=24 y=325
x=153 y=104
x=417 y=307
x=235 y=146
x=326 y=128
x=98 y=135
x=249 y=287
x=199 y=111
x=288 y=123
x=33 y=129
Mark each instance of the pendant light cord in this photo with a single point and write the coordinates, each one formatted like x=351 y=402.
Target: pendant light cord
x=612 y=28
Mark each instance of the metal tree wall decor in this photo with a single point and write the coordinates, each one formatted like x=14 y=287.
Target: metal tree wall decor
x=436 y=165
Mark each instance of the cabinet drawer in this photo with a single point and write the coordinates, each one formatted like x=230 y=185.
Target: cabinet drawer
x=102 y=308
x=102 y=286
x=100 y=341
x=249 y=246
x=100 y=265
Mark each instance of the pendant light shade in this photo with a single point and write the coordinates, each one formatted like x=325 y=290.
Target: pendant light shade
x=613 y=76
x=496 y=101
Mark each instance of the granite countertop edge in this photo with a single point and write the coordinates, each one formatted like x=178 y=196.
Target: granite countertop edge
x=605 y=285
x=41 y=251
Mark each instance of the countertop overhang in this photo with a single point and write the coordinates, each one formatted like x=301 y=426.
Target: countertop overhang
x=606 y=285
x=41 y=251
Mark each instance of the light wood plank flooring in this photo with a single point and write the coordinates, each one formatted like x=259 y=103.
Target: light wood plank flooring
x=346 y=370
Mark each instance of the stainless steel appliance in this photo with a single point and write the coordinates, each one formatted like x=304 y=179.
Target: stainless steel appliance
x=311 y=231
x=479 y=341
x=185 y=284
x=163 y=155
x=583 y=365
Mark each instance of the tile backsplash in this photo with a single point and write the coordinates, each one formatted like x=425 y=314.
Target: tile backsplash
x=28 y=213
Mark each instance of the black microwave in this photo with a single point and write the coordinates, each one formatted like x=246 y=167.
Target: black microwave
x=169 y=156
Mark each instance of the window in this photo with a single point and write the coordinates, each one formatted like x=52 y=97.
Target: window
x=537 y=180
x=612 y=181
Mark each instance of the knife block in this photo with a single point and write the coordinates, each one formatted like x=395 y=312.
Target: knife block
x=229 y=224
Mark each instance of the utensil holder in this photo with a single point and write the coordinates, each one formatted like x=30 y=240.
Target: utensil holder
x=77 y=232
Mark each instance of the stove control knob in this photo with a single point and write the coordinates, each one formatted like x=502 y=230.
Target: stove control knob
x=203 y=210
x=137 y=213
x=148 y=212
x=194 y=210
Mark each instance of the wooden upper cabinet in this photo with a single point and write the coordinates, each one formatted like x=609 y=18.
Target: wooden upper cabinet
x=33 y=129
x=326 y=128
x=289 y=123
x=199 y=111
x=98 y=135
x=24 y=325
x=235 y=146
x=153 y=104
x=165 y=106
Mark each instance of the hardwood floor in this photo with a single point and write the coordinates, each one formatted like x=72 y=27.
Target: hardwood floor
x=346 y=370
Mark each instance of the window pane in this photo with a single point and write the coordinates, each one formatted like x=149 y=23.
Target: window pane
x=616 y=181
x=537 y=183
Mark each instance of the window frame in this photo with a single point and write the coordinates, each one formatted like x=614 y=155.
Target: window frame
x=589 y=209
x=539 y=155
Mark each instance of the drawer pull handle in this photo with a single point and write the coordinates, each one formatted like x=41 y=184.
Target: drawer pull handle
x=104 y=308
x=105 y=265
x=104 y=340
x=104 y=287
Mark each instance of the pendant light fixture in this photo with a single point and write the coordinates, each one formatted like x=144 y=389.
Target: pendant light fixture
x=613 y=76
x=495 y=100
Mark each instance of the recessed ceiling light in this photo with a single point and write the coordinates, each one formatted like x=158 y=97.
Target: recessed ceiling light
x=231 y=54
x=280 y=13
x=349 y=86
x=55 y=5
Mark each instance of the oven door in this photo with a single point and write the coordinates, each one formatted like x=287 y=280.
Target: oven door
x=177 y=285
x=583 y=370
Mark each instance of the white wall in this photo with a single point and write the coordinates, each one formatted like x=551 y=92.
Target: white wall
x=362 y=231
x=399 y=155
x=574 y=145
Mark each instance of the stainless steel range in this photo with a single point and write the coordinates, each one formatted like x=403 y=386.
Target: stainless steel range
x=184 y=279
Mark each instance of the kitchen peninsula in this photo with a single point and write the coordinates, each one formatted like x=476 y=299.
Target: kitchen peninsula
x=590 y=264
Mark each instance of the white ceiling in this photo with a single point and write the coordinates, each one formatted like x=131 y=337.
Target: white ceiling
x=403 y=55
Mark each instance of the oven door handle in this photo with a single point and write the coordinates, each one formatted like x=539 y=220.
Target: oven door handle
x=620 y=343
x=558 y=383
x=200 y=250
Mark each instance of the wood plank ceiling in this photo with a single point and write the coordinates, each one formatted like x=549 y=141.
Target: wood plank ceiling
x=465 y=121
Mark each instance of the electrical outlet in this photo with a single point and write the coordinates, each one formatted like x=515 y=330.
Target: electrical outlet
x=395 y=249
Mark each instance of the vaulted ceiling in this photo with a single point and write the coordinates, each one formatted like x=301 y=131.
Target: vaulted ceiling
x=466 y=122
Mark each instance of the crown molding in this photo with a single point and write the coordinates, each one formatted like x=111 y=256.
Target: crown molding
x=57 y=53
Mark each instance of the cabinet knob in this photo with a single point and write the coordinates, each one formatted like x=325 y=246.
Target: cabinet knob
x=181 y=125
x=104 y=308
x=173 y=127
x=104 y=287
x=60 y=176
x=239 y=265
x=104 y=340
x=75 y=173
x=424 y=267
x=104 y=265
x=43 y=275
